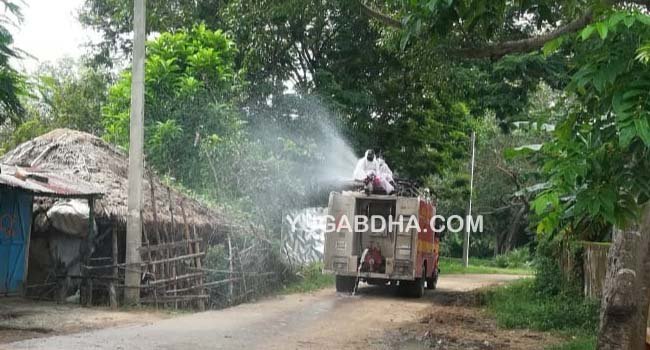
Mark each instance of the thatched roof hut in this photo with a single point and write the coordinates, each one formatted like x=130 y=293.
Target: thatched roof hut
x=92 y=159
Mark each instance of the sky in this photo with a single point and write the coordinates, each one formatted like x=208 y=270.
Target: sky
x=50 y=31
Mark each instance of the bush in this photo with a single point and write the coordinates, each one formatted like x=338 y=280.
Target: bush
x=515 y=258
x=501 y=261
x=522 y=305
x=309 y=278
x=552 y=301
x=257 y=270
x=550 y=279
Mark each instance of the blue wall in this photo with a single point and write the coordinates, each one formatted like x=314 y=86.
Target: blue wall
x=15 y=228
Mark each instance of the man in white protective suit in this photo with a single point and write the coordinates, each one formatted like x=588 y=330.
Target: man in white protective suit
x=369 y=165
x=384 y=170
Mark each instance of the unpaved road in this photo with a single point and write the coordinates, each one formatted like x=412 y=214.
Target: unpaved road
x=321 y=320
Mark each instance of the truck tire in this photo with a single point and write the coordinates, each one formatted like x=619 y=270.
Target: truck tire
x=432 y=282
x=345 y=284
x=417 y=288
x=412 y=289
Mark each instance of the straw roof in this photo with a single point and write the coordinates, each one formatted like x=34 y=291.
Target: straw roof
x=82 y=155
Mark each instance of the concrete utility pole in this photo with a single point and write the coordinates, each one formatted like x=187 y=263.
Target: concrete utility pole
x=469 y=207
x=136 y=160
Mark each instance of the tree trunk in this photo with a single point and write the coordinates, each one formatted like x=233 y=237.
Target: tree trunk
x=514 y=227
x=624 y=310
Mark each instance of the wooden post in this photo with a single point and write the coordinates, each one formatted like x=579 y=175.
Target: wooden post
x=86 y=282
x=112 y=293
x=150 y=264
x=469 y=207
x=230 y=268
x=155 y=216
x=199 y=266
x=171 y=239
x=243 y=274
x=191 y=250
x=136 y=160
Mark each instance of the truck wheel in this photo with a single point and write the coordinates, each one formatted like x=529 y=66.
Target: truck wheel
x=345 y=284
x=433 y=280
x=417 y=288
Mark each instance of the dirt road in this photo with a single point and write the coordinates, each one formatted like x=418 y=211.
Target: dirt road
x=321 y=320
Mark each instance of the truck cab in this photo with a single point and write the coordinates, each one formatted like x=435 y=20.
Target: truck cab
x=403 y=252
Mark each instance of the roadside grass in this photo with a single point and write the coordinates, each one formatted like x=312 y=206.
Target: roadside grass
x=522 y=305
x=583 y=342
x=479 y=266
x=310 y=278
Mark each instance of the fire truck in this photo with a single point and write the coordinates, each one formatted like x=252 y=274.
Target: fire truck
x=403 y=255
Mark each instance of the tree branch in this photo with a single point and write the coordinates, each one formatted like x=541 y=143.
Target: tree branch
x=383 y=18
x=499 y=50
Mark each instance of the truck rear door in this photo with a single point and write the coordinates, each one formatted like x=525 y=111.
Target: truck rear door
x=339 y=242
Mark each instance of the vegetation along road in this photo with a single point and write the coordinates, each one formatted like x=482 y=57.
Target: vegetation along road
x=320 y=320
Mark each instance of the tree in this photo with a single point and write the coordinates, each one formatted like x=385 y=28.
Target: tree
x=66 y=94
x=71 y=95
x=191 y=85
x=492 y=29
x=12 y=83
x=329 y=49
x=598 y=160
x=601 y=164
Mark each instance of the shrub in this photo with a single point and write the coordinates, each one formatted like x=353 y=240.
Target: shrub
x=515 y=258
x=501 y=261
x=522 y=305
x=309 y=278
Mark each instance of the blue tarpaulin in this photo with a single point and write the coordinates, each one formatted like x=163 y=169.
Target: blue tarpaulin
x=15 y=228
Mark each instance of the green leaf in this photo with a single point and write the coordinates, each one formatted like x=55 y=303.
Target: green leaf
x=602 y=29
x=645 y=19
x=616 y=18
x=586 y=33
x=643 y=53
x=545 y=201
x=643 y=129
x=629 y=21
x=552 y=46
x=626 y=134
x=404 y=41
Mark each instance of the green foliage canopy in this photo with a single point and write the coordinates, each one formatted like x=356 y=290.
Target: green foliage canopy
x=12 y=83
x=191 y=86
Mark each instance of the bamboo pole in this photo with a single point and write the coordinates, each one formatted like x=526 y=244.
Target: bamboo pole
x=171 y=239
x=241 y=269
x=176 y=278
x=177 y=258
x=163 y=246
x=150 y=259
x=154 y=209
x=112 y=293
x=230 y=268
x=199 y=265
x=190 y=248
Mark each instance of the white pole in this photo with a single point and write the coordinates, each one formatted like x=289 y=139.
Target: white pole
x=136 y=160
x=469 y=207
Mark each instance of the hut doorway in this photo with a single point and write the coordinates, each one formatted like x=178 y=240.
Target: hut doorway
x=15 y=228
